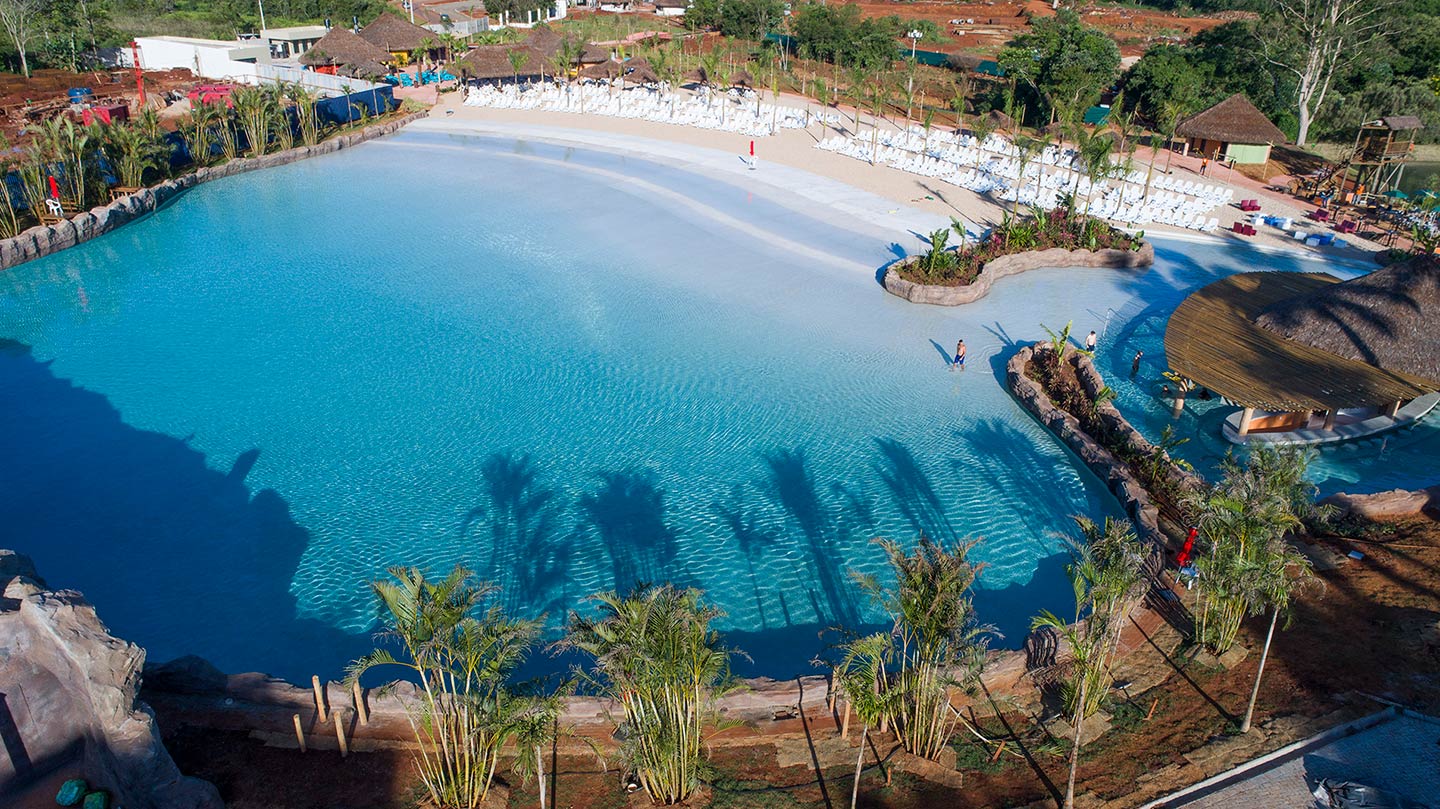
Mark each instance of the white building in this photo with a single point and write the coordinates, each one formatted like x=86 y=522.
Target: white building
x=208 y=58
x=288 y=43
x=671 y=8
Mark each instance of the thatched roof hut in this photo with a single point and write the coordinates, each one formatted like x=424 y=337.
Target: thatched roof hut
x=742 y=78
x=696 y=76
x=594 y=54
x=606 y=70
x=999 y=120
x=545 y=41
x=365 y=70
x=1286 y=345
x=340 y=47
x=640 y=71
x=396 y=35
x=1389 y=319
x=1233 y=130
x=493 y=62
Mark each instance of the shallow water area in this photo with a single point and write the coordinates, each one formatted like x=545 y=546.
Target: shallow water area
x=568 y=369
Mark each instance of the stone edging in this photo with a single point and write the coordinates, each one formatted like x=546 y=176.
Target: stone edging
x=1389 y=505
x=1006 y=266
x=43 y=240
x=1121 y=482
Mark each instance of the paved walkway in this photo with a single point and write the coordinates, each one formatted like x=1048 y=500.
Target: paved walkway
x=1397 y=752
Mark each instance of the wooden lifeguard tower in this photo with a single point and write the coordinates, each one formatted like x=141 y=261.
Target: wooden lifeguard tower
x=1382 y=148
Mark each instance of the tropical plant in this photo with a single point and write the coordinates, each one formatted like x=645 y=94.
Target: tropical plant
x=935 y=641
x=131 y=151
x=517 y=57
x=1243 y=559
x=463 y=658
x=70 y=150
x=199 y=131
x=253 y=106
x=656 y=655
x=1059 y=341
x=1106 y=572
x=9 y=165
x=860 y=677
x=307 y=114
x=34 y=173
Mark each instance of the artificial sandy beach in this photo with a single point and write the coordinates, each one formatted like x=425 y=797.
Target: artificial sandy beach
x=889 y=201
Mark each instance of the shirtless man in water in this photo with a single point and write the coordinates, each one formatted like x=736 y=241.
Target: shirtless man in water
x=959 y=356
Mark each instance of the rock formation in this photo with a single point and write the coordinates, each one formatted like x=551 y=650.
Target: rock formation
x=68 y=700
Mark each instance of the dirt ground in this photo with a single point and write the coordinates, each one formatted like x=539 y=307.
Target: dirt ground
x=984 y=28
x=1369 y=636
x=43 y=96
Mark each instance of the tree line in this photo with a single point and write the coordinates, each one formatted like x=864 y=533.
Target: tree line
x=654 y=653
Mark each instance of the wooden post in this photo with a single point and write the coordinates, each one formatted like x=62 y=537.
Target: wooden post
x=1394 y=410
x=319 y=696
x=360 y=711
x=299 y=732
x=1330 y=419
x=1246 y=416
x=1151 y=712
x=340 y=733
x=996 y=756
x=845 y=724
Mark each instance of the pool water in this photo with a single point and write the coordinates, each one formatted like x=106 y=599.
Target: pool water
x=1406 y=458
x=566 y=369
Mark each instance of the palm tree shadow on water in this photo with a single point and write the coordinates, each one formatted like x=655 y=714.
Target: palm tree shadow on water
x=518 y=526
x=177 y=556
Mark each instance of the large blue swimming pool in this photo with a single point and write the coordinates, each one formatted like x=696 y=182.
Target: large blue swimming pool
x=567 y=369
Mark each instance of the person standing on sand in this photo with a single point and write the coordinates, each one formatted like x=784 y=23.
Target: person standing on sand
x=1204 y=164
x=1090 y=341
x=959 y=355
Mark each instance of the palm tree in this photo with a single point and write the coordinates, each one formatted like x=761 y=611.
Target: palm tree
x=1106 y=572
x=517 y=58
x=1243 y=523
x=73 y=150
x=654 y=653
x=9 y=164
x=130 y=152
x=860 y=677
x=935 y=640
x=1027 y=149
x=462 y=659
x=535 y=728
x=252 y=110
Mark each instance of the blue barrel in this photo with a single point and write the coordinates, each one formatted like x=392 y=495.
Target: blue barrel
x=80 y=95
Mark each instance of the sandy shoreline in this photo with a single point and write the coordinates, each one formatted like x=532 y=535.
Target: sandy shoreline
x=892 y=203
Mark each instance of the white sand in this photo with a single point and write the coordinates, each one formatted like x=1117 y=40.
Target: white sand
x=887 y=201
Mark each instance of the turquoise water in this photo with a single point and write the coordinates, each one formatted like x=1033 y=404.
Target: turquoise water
x=566 y=369
x=1407 y=458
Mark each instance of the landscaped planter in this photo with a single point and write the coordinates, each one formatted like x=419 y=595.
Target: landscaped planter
x=1004 y=266
x=43 y=240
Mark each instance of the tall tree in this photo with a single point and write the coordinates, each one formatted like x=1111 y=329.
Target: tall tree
x=19 y=18
x=1322 y=37
x=1064 y=62
x=1107 y=574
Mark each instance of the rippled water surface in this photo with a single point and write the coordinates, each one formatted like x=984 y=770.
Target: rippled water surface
x=566 y=369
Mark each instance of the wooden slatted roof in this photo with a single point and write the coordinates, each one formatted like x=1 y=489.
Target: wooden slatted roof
x=1212 y=338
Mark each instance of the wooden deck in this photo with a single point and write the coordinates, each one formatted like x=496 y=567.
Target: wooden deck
x=1212 y=339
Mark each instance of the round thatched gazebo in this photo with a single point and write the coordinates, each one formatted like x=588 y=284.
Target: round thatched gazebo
x=1310 y=359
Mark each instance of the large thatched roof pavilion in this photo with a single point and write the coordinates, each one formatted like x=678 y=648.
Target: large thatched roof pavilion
x=1234 y=129
x=339 y=48
x=399 y=37
x=1311 y=357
